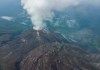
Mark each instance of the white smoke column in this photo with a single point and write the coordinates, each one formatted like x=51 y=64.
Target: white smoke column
x=42 y=10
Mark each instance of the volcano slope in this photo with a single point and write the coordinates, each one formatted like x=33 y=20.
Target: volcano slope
x=56 y=57
x=43 y=50
x=12 y=53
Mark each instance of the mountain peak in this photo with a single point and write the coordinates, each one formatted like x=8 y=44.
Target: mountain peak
x=21 y=45
x=44 y=36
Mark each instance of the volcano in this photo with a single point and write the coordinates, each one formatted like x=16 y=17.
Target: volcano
x=42 y=50
x=13 y=52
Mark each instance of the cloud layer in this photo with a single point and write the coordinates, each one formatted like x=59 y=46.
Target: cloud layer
x=43 y=10
x=7 y=18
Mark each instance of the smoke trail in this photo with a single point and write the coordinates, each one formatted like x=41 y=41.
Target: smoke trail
x=42 y=10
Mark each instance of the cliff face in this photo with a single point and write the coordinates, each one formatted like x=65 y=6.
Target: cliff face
x=57 y=57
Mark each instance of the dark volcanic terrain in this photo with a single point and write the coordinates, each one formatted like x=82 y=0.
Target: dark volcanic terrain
x=57 y=57
x=43 y=50
x=13 y=51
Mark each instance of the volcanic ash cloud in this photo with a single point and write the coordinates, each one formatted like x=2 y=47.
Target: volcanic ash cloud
x=43 y=10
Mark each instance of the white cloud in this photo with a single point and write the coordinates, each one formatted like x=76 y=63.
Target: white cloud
x=7 y=18
x=23 y=23
x=72 y=23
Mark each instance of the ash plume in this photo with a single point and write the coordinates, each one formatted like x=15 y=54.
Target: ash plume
x=43 y=10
